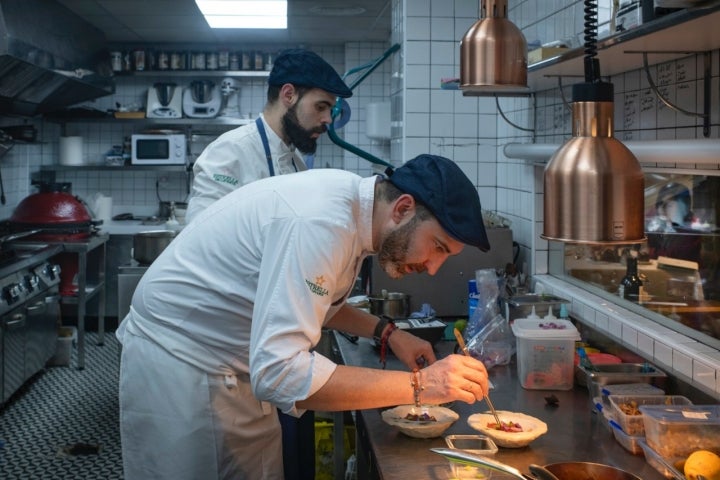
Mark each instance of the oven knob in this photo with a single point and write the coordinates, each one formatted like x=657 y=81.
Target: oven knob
x=32 y=282
x=12 y=293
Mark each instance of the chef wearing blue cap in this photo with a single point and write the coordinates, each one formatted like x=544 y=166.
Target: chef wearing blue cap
x=302 y=89
x=223 y=324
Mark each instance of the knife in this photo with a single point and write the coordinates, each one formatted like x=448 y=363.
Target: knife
x=461 y=342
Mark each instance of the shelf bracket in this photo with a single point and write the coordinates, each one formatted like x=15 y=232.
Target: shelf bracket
x=707 y=81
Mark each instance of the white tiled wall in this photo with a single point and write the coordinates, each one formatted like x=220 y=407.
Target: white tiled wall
x=139 y=191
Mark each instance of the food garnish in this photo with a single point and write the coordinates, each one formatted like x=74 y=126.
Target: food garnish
x=505 y=426
x=423 y=417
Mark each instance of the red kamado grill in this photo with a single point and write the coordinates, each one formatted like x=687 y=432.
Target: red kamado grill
x=55 y=215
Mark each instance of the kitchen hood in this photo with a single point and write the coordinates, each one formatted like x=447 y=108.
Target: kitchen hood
x=47 y=58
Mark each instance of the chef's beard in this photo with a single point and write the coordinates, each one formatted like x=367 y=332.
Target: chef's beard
x=300 y=137
x=393 y=250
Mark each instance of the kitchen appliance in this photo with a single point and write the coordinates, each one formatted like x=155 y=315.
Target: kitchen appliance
x=29 y=313
x=158 y=149
x=201 y=100
x=54 y=215
x=164 y=100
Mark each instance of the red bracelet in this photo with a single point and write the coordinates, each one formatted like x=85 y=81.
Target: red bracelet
x=384 y=342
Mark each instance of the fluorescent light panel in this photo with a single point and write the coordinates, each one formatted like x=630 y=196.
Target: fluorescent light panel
x=244 y=13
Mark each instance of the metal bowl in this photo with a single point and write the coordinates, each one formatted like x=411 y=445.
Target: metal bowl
x=588 y=471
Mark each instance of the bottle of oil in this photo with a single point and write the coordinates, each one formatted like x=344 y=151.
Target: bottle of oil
x=631 y=283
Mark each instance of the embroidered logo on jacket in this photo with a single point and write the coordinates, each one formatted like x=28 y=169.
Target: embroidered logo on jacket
x=316 y=287
x=225 y=179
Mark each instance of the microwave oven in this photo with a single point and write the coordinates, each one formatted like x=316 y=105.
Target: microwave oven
x=158 y=149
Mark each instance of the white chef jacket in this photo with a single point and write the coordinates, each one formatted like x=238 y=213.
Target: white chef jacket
x=247 y=286
x=234 y=159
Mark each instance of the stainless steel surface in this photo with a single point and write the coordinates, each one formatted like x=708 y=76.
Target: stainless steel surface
x=447 y=290
x=42 y=46
x=29 y=310
x=471 y=459
x=593 y=185
x=128 y=278
x=493 y=54
x=575 y=433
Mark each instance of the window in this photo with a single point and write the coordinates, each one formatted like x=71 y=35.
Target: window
x=679 y=263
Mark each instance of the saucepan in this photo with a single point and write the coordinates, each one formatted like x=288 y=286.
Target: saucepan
x=392 y=304
x=553 y=471
x=147 y=246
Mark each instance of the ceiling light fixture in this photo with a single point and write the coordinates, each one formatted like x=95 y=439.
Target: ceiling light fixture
x=594 y=186
x=337 y=10
x=493 y=55
x=244 y=13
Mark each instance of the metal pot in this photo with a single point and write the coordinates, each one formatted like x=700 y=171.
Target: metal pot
x=588 y=470
x=147 y=246
x=392 y=304
x=165 y=208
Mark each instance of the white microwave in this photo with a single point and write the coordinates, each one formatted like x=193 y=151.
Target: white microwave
x=158 y=149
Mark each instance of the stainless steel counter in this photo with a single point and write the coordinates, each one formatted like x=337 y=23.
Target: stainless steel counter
x=574 y=432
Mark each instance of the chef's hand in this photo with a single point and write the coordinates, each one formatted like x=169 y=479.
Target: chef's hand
x=411 y=350
x=455 y=377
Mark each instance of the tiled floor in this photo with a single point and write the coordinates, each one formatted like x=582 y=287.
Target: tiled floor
x=62 y=408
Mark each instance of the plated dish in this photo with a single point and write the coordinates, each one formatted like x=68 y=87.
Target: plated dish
x=398 y=418
x=532 y=428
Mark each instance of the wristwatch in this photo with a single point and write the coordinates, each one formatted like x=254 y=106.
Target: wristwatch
x=383 y=322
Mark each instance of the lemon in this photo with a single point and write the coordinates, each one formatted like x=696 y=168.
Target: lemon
x=702 y=462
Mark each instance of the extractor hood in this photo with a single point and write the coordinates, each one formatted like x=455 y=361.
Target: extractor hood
x=48 y=58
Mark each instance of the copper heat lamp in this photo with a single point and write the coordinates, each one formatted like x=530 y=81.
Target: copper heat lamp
x=594 y=186
x=493 y=54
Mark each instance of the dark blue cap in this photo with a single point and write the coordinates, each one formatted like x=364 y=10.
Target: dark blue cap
x=446 y=191
x=305 y=68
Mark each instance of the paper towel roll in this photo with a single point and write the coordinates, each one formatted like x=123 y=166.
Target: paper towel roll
x=71 y=151
x=103 y=209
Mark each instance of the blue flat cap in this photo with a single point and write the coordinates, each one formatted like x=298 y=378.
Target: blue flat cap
x=445 y=190
x=307 y=69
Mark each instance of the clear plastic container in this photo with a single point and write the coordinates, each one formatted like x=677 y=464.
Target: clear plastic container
x=631 y=443
x=475 y=444
x=677 y=431
x=545 y=353
x=633 y=424
x=665 y=468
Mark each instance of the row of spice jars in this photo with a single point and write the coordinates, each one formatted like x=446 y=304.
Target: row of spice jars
x=139 y=60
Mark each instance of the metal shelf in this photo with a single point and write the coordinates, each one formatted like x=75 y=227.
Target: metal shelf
x=124 y=168
x=673 y=36
x=197 y=73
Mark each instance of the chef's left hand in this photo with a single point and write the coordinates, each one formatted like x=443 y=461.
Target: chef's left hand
x=411 y=350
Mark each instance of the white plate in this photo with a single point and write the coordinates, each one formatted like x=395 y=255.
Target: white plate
x=444 y=417
x=532 y=428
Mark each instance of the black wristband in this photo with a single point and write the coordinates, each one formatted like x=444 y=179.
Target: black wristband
x=383 y=321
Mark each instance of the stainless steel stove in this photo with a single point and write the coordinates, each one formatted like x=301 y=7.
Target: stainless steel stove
x=29 y=313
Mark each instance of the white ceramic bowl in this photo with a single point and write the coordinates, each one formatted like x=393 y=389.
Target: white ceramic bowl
x=532 y=428
x=444 y=417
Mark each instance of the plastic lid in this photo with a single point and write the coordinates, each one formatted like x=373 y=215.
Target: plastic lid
x=540 y=328
x=702 y=414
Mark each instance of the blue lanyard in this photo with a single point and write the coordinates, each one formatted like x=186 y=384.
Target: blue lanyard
x=266 y=146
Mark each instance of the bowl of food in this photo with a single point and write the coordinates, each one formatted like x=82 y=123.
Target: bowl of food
x=516 y=430
x=426 y=421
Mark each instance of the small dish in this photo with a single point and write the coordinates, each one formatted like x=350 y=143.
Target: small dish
x=444 y=417
x=532 y=428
